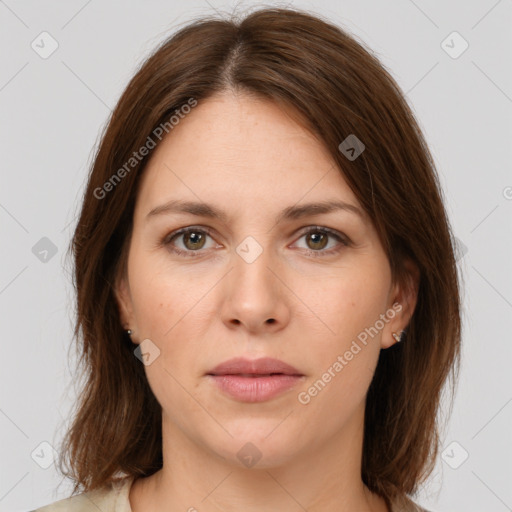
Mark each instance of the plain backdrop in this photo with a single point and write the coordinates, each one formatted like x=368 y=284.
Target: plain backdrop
x=453 y=61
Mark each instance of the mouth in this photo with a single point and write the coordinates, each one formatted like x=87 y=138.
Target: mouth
x=254 y=375
x=254 y=380
x=251 y=374
x=264 y=366
x=255 y=388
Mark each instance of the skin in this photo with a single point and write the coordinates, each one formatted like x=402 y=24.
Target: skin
x=251 y=159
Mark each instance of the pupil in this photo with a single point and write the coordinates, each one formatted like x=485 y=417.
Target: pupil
x=194 y=238
x=318 y=239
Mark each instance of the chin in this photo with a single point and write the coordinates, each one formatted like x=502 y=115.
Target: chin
x=256 y=443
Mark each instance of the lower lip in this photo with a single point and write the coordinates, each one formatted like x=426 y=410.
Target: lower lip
x=255 y=389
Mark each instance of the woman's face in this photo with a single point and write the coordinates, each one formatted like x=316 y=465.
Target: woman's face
x=271 y=277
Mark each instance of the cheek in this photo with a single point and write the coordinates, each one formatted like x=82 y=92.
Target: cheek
x=347 y=352
x=345 y=359
x=168 y=310
x=162 y=296
x=347 y=303
x=173 y=309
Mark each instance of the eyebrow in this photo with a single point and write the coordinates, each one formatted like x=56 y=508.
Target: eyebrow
x=291 y=213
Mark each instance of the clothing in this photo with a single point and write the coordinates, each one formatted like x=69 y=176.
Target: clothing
x=111 y=499
x=115 y=499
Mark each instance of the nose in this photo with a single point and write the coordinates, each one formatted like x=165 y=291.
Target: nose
x=255 y=296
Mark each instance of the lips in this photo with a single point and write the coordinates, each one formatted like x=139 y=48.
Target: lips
x=243 y=367
x=258 y=380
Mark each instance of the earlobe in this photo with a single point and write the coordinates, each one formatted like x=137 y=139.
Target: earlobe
x=398 y=336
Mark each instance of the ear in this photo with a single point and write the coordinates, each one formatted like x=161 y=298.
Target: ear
x=403 y=299
x=124 y=303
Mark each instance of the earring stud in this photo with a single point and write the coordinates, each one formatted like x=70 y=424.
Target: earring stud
x=129 y=332
x=397 y=337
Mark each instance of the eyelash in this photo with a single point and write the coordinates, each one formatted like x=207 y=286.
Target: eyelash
x=166 y=241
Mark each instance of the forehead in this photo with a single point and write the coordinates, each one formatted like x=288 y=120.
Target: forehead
x=240 y=149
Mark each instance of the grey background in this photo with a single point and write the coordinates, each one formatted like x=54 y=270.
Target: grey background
x=53 y=109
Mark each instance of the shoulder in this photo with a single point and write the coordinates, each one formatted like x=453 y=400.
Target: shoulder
x=405 y=504
x=112 y=498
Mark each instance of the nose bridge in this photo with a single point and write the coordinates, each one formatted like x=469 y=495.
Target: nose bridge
x=252 y=261
x=253 y=293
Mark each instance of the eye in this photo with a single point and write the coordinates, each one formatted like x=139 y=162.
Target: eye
x=317 y=238
x=192 y=238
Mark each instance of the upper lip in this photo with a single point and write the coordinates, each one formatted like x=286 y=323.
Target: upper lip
x=262 y=366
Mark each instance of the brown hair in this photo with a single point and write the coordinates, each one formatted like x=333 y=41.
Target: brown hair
x=339 y=88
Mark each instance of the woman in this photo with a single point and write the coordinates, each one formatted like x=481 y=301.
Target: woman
x=268 y=305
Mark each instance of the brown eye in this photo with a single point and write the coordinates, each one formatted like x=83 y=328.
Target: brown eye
x=316 y=240
x=193 y=240
x=190 y=241
x=320 y=241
